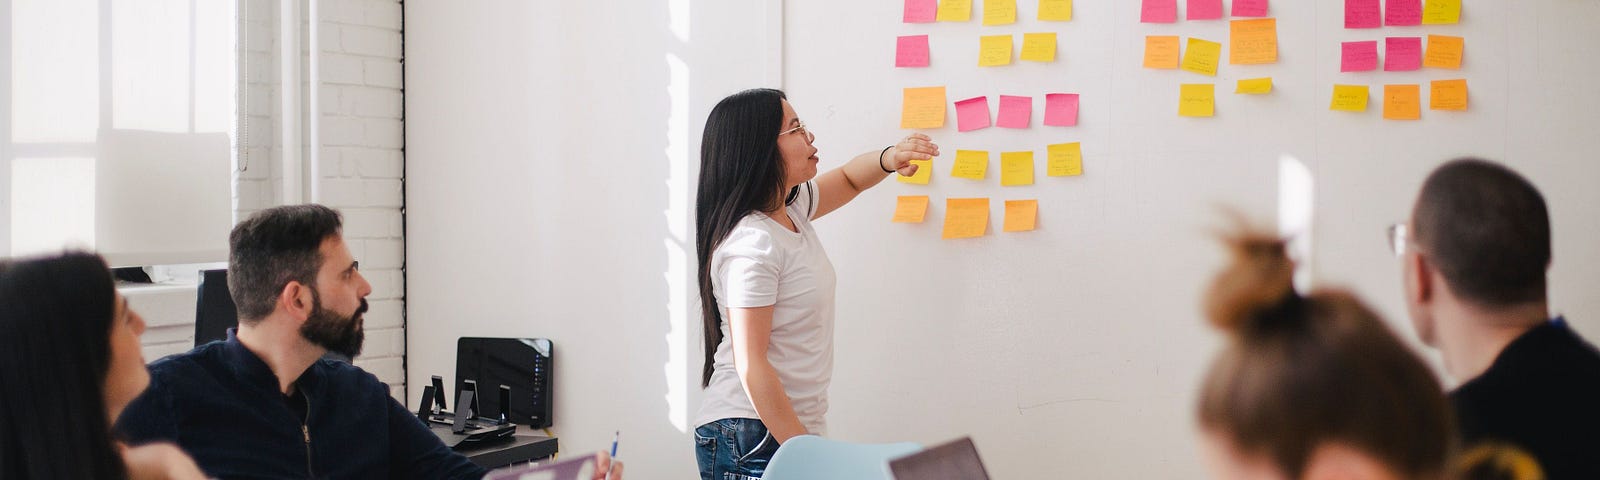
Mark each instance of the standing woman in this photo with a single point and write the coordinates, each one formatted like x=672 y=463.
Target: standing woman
x=766 y=285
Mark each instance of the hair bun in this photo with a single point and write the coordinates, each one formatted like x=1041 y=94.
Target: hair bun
x=1260 y=278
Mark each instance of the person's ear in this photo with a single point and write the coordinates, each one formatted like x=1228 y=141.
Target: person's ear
x=1420 y=287
x=296 y=300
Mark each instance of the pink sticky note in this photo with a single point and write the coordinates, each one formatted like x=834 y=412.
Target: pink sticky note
x=1402 y=54
x=921 y=11
x=1061 y=109
x=1402 y=13
x=1015 y=112
x=1363 y=14
x=1204 y=10
x=1249 y=8
x=972 y=114
x=911 y=51
x=1359 y=56
x=1159 y=11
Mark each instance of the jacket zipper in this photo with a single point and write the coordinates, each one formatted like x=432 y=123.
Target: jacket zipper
x=305 y=431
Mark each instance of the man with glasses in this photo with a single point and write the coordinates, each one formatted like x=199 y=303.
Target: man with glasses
x=1475 y=254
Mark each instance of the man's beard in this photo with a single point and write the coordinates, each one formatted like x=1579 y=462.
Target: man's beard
x=327 y=329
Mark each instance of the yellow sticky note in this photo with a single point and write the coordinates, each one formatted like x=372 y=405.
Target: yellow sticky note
x=1202 y=56
x=973 y=164
x=910 y=208
x=1021 y=215
x=999 y=12
x=994 y=50
x=954 y=11
x=1160 y=51
x=1441 y=12
x=1253 y=42
x=1039 y=47
x=924 y=173
x=1349 y=98
x=922 y=107
x=965 y=217
x=1402 y=102
x=1254 y=86
x=1448 y=95
x=1197 y=100
x=1065 y=160
x=1016 y=168
x=1444 y=51
x=1055 y=10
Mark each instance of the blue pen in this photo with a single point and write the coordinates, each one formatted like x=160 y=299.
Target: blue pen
x=614 y=439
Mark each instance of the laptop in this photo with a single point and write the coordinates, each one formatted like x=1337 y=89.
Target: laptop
x=957 y=460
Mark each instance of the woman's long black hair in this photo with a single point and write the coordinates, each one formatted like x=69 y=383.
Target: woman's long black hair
x=741 y=172
x=55 y=352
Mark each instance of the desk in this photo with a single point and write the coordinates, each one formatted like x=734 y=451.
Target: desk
x=525 y=447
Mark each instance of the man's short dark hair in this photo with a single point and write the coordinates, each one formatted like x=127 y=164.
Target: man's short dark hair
x=1487 y=231
x=272 y=248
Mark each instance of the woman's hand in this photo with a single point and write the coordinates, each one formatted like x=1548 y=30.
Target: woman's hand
x=159 y=461
x=914 y=147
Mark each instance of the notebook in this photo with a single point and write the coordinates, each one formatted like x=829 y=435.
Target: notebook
x=957 y=460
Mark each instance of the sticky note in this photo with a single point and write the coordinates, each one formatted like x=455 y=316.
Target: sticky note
x=1064 y=159
x=1015 y=112
x=1253 y=42
x=924 y=173
x=1448 y=95
x=910 y=208
x=921 y=11
x=1249 y=8
x=972 y=114
x=999 y=12
x=955 y=10
x=1055 y=10
x=1021 y=215
x=965 y=217
x=1039 y=47
x=1016 y=168
x=1402 y=13
x=922 y=107
x=1203 y=10
x=1197 y=100
x=973 y=164
x=1160 y=51
x=1349 y=98
x=1363 y=14
x=911 y=51
x=1441 y=12
x=1159 y=11
x=1358 y=56
x=1444 y=51
x=1402 y=102
x=1201 y=57
x=1061 y=109
x=1254 y=86
x=994 y=50
x=1401 y=54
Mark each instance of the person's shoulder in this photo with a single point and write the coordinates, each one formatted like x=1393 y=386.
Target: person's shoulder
x=750 y=237
x=194 y=363
x=347 y=377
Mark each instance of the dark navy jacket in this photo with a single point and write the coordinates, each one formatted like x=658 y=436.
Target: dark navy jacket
x=221 y=404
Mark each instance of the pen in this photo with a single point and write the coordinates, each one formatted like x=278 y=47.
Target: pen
x=614 y=439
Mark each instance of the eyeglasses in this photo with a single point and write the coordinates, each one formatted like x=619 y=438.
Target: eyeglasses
x=801 y=128
x=1398 y=238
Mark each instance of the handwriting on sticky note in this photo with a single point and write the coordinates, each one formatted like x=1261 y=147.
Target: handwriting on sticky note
x=1015 y=111
x=1402 y=54
x=910 y=208
x=973 y=164
x=921 y=11
x=1402 y=13
x=1055 y=10
x=1448 y=95
x=1161 y=51
x=1061 y=109
x=1201 y=56
x=1358 y=56
x=1254 y=86
x=923 y=174
x=1444 y=51
x=1401 y=102
x=955 y=10
x=1441 y=12
x=1021 y=215
x=1016 y=168
x=1064 y=160
x=1159 y=11
x=1253 y=42
x=911 y=51
x=1039 y=47
x=1249 y=8
x=1197 y=100
x=994 y=50
x=922 y=107
x=972 y=114
x=1349 y=98
x=965 y=217
x=1363 y=14
x=999 y=12
x=1203 y=10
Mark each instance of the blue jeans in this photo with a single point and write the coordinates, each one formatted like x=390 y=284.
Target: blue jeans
x=733 y=449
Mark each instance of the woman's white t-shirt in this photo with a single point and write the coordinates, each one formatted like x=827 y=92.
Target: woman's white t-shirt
x=762 y=263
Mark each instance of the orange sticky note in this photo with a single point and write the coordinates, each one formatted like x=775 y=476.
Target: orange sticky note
x=1448 y=95
x=1039 y=47
x=1402 y=102
x=910 y=208
x=1253 y=42
x=1201 y=57
x=924 y=173
x=1055 y=10
x=1064 y=159
x=994 y=50
x=1160 y=51
x=973 y=164
x=1444 y=51
x=965 y=217
x=1441 y=12
x=1197 y=100
x=955 y=10
x=1349 y=98
x=1016 y=168
x=999 y=12
x=1021 y=215
x=922 y=107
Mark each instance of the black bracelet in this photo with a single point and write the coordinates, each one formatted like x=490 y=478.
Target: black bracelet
x=880 y=159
